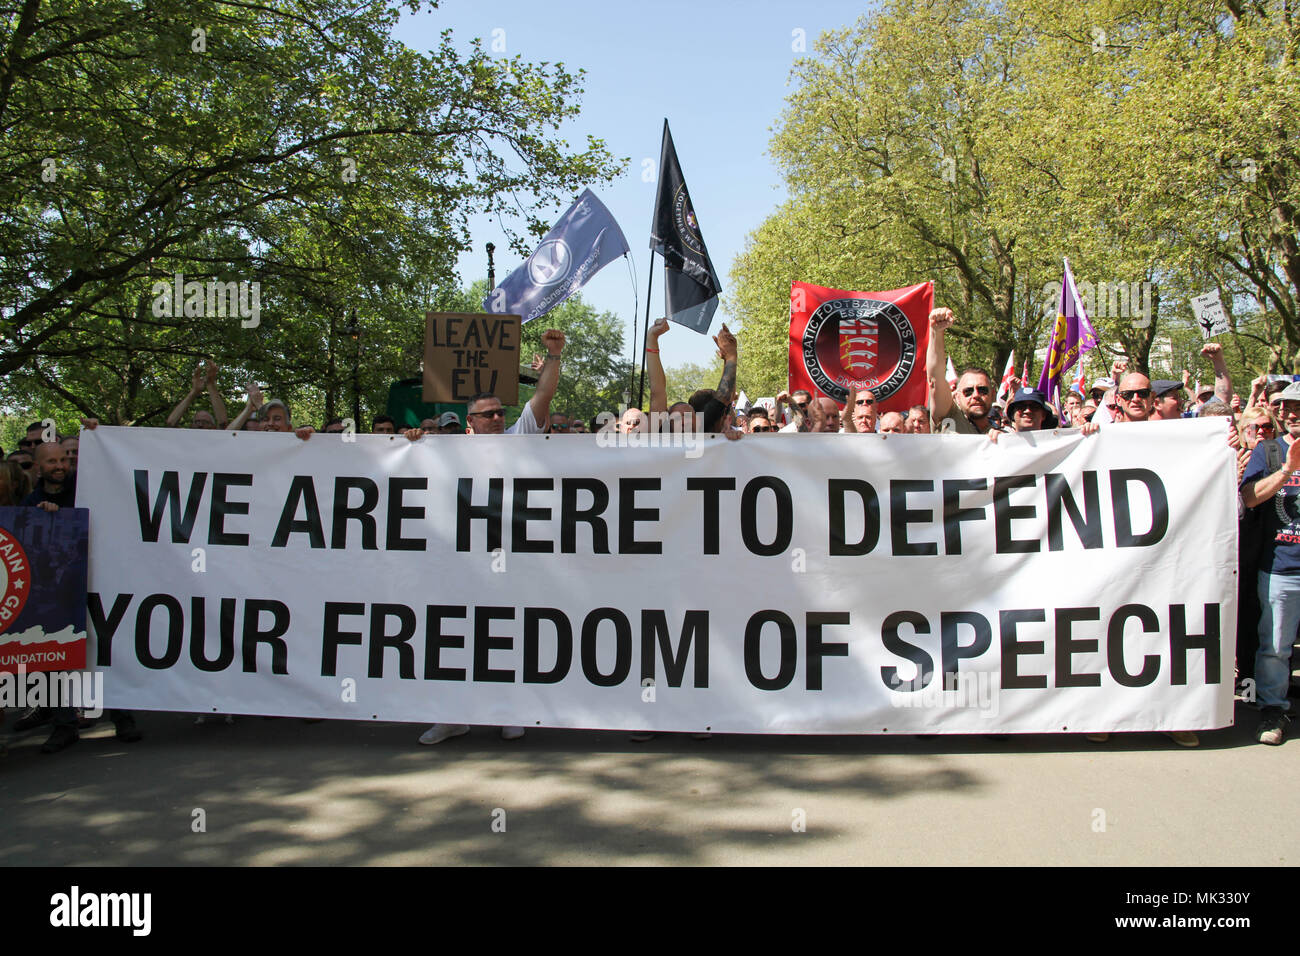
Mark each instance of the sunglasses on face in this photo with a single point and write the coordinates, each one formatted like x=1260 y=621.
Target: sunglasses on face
x=28 y=442
x=866 y=401
x=970 y=390
x=491 y=413
x=559 y=428
x=762 y=428
x=27 y=465
x=1261 y=427
x=1132 y=393
x=1113 y=408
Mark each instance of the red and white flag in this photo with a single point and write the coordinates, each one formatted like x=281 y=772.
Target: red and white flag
x=871 y=340
x=1008 y=373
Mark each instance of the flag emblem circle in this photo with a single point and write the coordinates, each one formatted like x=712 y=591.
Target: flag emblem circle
x=15 y=579
x=550 y=263
x=684 y=219
x=868 y=343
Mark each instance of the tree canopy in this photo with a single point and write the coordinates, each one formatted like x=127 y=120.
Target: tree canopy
x=291 y=144
x=978 y=143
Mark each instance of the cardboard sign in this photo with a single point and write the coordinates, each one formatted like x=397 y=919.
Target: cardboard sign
x=1210 y=315
x=468 y=353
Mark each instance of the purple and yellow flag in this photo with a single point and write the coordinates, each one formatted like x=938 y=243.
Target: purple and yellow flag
x=1072 y=336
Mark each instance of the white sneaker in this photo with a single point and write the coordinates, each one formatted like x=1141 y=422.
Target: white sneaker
x=511 y=733
x=440 y=732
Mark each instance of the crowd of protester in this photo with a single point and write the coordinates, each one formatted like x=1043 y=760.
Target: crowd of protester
x=1263 y=429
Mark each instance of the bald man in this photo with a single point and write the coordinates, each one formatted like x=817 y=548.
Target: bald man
x=1135 y=397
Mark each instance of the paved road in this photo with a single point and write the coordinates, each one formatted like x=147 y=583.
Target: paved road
x=286 y=792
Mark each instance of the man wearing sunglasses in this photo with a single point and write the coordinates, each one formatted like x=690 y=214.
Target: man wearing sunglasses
x=486 y=416
x=758 y=423
x=862 y=417
x=1135 y=397
x=33 y=438
x=968 y=406
x=1029 y=411
x=1278 y=580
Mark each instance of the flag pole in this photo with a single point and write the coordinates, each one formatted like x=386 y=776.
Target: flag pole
x=645 y=338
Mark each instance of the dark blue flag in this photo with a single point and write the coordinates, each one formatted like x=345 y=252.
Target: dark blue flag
x=583 y=242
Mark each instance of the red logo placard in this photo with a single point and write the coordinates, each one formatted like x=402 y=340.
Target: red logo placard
x=874 y=340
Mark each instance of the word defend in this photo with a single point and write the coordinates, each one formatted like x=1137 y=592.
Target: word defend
x=467 y=354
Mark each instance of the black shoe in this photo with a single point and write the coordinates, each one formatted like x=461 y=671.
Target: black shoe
x=35 y=717
x=61 y=739
x=126 y=730
x=1272 y=729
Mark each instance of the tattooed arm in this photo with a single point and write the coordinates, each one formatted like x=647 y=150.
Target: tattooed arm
x=726 y=343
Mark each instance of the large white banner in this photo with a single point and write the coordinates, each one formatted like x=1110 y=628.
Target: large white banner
x=779 y=584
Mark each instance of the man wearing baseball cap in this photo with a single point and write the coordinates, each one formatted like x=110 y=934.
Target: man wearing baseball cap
x=1270 y=481
x=1099 y=388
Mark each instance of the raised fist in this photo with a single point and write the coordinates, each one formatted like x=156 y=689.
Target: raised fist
x=941 y=319
x=553 y=339
x=659 y=328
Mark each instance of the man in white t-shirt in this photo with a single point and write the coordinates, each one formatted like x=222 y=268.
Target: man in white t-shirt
x=486 y=416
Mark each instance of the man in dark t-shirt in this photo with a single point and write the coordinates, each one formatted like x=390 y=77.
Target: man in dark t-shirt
x=56 y=488
x=56 y=485
x=1277 y=493
x=966 y=410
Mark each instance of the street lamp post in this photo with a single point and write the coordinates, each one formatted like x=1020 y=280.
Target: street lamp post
x=355 y=332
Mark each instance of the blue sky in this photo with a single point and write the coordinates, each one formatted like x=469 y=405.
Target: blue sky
x=718 y=71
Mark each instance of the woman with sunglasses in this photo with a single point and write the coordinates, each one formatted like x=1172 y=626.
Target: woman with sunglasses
x=1256 y=424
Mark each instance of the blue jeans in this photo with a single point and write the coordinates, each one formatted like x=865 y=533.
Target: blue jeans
x=1279 y=616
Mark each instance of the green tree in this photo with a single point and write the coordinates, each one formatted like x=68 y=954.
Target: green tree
x=885 y=146
x=292 y=144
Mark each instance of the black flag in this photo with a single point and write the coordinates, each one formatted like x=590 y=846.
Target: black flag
x=691 y=285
